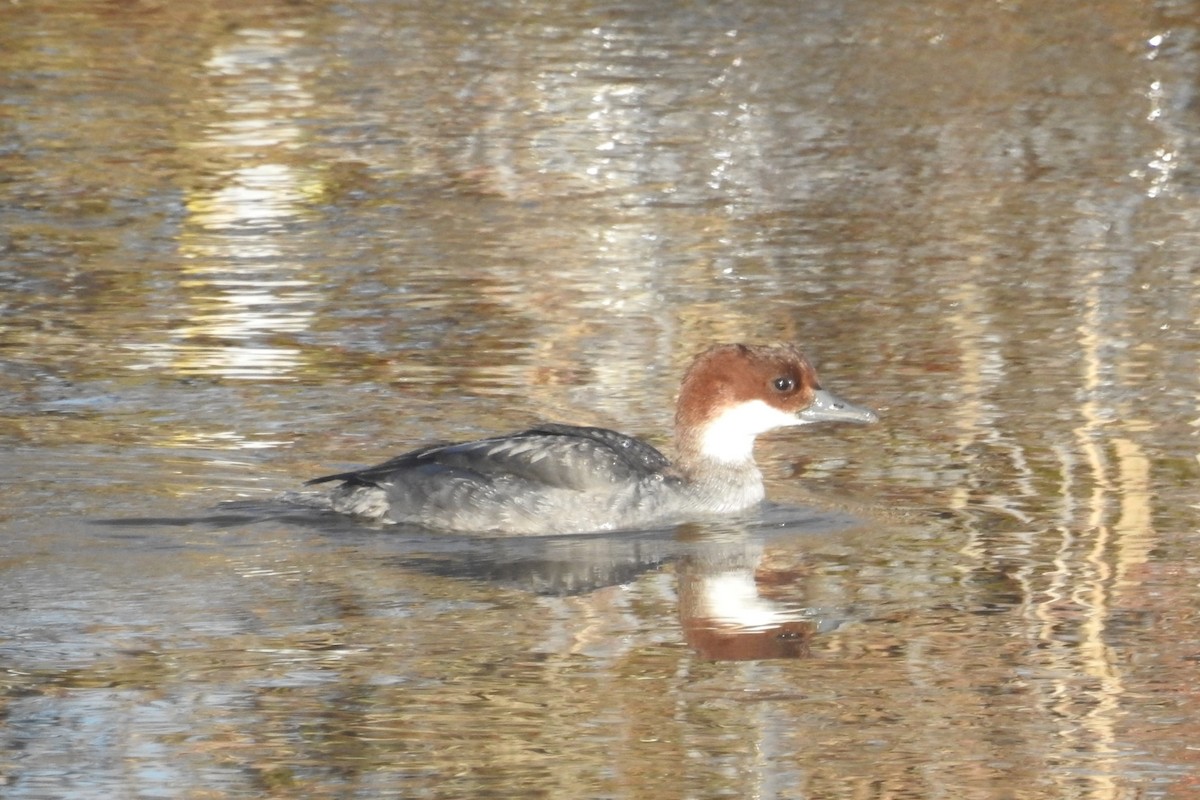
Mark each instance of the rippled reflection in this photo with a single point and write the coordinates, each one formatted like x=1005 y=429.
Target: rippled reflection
x=323 y=233
x=246 y=295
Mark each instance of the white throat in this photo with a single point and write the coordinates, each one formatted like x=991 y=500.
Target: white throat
x=729 y=437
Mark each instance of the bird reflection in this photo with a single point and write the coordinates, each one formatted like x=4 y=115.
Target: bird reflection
x=744 y=592
x=745 y=600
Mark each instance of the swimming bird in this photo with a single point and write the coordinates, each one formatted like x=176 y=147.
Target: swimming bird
x=556 y=478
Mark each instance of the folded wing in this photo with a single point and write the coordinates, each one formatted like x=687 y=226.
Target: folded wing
x=551 y=455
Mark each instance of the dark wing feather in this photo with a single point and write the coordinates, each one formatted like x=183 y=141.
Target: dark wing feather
x=566 y=456
x=369 y=475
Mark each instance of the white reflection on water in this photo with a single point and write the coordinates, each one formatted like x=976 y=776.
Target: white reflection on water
x=243 y=290
x=1161 y=167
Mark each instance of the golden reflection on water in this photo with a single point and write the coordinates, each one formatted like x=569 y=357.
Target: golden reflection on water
x=1094 y=595
x=245 y=295
x=1104 y=527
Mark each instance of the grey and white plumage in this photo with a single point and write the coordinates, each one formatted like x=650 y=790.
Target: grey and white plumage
x=557 y=478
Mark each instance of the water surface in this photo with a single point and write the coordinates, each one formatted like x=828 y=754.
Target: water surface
x=247 y=244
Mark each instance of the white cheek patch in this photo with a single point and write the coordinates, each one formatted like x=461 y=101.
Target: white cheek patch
x=730 y=436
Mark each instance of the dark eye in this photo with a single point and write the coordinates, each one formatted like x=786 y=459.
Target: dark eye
x=784 y=384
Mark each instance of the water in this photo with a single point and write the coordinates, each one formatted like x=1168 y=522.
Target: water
x=242 y=247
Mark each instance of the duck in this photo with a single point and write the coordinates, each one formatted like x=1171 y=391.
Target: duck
x=557 y=478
